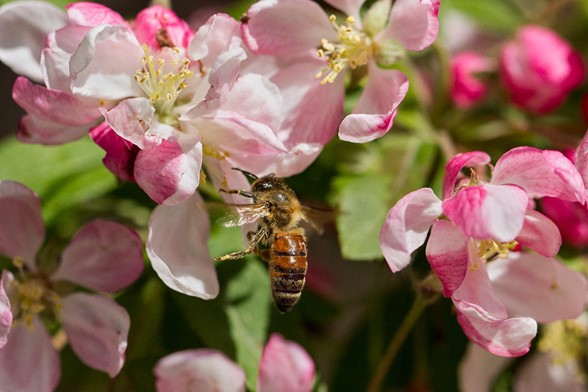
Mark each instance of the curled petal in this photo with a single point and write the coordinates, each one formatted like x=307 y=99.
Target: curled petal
x=218 y=35
x=178 y=250
x=97 y=330
x=478 y=369
x=540 y=287
x=504 y=337
x=120 y=153
x=5 y=309
x=414 y=23
x=33 y=20
x=488 y=211
x=93 y=14
x=541 y=173
x=287 y=27
x=447 y=254
x=540 y=234
x=406 y=226
x=103 y=256
x=373 y=115
x=21 y=225
x=210 y=370
x=27 y=347
x=458 y=162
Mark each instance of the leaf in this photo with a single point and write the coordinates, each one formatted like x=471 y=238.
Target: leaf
x=497 y=15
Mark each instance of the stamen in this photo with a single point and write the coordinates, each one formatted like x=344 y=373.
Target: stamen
x=211 y=152
x=489 y=250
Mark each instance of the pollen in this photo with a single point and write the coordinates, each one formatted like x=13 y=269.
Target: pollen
x=566 y=341
x=353 y=50
x=163 y=80
x=489 y=250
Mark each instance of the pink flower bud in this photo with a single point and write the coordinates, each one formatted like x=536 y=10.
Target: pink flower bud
x=157 y=27
x=468 y=88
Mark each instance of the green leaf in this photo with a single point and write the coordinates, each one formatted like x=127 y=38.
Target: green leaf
x=496 y=15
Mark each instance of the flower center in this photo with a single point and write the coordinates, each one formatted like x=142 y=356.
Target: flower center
x=489 y=250
x=163 y=81
x=353 y=50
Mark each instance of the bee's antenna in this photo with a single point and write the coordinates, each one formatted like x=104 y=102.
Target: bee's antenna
x=247 y=174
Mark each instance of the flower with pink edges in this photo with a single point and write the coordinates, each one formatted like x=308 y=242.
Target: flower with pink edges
x=468 y=88
x=285 y=366
x=539 y=69
x=476 y=234
x=292 y=30
x=102 y=256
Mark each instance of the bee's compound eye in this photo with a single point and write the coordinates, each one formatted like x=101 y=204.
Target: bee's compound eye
x=261 y=185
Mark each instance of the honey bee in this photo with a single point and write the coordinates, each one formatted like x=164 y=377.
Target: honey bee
x=279 y=214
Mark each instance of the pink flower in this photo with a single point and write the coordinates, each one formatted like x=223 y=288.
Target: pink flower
x=292 y=30
x=285 y=366
x=476 y=228
x=468 y=89
x=539 y=69
x=102 y=256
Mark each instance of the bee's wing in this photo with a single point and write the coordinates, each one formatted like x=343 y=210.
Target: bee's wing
x=242 y=214
x=317 y=218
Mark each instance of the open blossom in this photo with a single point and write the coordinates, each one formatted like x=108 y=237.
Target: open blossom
x=476 y=234
x=294 y=29
x=468 y=88
x=285 y=366
x=102 y=256
x=539 y=69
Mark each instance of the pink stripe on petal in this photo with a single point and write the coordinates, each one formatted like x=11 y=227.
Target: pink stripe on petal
x=447 y=254
x=540 y=234
x=407 y=225
x=22 y=230
x=97 y=330
x=458 y=162
x=285 y=366
x=103 y=256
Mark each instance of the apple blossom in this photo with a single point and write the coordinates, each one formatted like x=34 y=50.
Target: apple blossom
x=539 y=69
x=477 y=227
x=293 y=29
x=102 y=256
x=467 y=88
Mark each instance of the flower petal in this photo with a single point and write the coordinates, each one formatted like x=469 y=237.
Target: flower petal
x=93 y=14
x=540 y=287
x=33 y=20
x=540 y=173
x=349 y=7
x=22 y=230
x=285 y=366
x=478 y=369
x=543 y=372
x=210 y=370
x=414 y=24
x=178 y=250
x=5 y=309
x=97 y=330
x=407 y=225
x=447 y=254
x=27 y=347
x=540 y=234
x=103 y=256
x=105 y=63
x=35 y=129
x=120 y=154
x=458 y=162
x=286 y=27
x=219 y=34
x=581 y=159
x=488 y=211
x=374 y=113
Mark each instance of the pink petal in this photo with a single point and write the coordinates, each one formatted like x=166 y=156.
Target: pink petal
x=504 y=337
x=406 y=226
x=458 y=162
x=5 y=309
x=540 y=234
x=120 y=154
x=534 y=286
x=543 y=372
x=447 y=254
x=220 y=33
x=286 y=27
x=468 y=88
x=28 y=361
x=374 y=113
x=178 y=250
x=103 y=256
x=22 y=230
x=93 y=14
x=581 y=159
x=488 y=211
x=540 y=173
x=285 y=366
x=97 y=330
x=571 y=219
x=210 y=370
x=33 y=21
x=150 y=21
x=35 y=129
x=479 y=369
x=105 y=63
x=169 y=172
x=414 y=24
x=53 y=105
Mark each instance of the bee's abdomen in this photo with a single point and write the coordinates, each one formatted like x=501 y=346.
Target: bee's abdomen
x=287 y=269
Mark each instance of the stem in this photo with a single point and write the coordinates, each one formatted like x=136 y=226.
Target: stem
x=409 y=321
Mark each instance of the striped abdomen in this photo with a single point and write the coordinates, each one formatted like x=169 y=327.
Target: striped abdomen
x=287 y=268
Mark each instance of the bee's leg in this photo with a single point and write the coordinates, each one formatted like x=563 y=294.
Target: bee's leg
x=239 y=192
x=255 y=240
